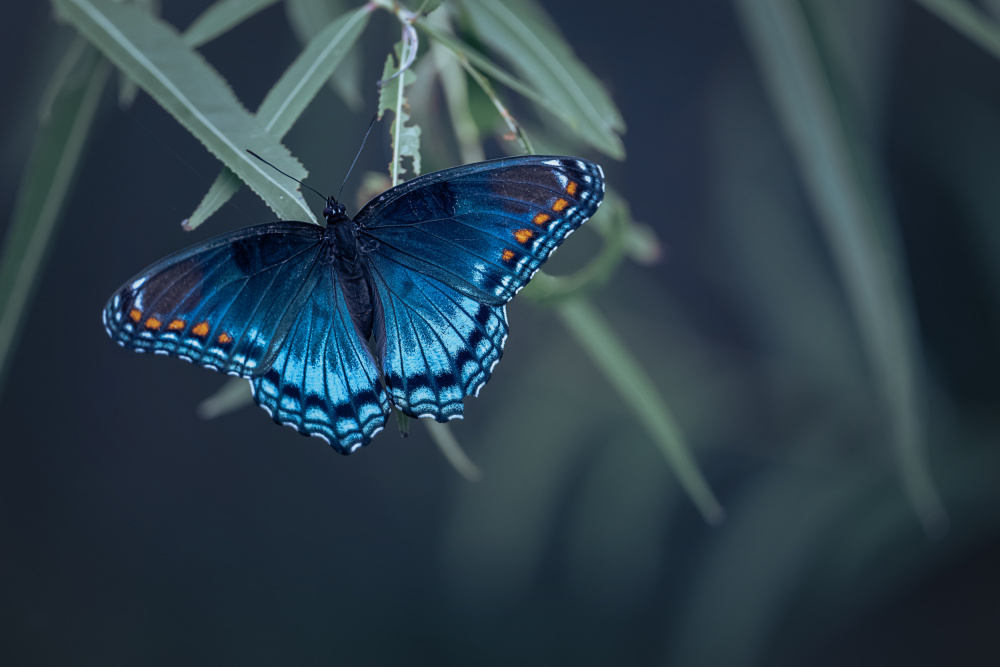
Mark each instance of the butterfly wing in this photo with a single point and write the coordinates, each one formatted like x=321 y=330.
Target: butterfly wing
x=262 y=303
x=446 y=251
x=436 y=345
x=485 y=228
x=221 y=304
x=323 y=380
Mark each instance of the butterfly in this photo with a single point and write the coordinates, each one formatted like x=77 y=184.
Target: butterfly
x=403 y=305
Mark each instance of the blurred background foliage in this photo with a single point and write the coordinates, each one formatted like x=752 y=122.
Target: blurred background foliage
x=813 y=291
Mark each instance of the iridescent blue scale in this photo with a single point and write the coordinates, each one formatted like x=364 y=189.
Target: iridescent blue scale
x=402 y=306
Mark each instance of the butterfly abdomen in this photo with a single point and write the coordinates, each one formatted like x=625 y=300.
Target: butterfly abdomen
x=346 y=259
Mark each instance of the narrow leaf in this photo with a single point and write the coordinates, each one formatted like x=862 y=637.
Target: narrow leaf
x=226 y=185
x=454 y=85
x=234 y=395
x=452 y=451
x=127 y=88
x=51 y=167
x=478 y=67
x=220 y=18
x=297 y=87
x=969 y=21
x=57 y=83
x=289 y=97
x=405 y=138
x=521 y=33
x=482 y=63
x=611 y=356
x=859 y=226
x=307 y=18
x=152 y=54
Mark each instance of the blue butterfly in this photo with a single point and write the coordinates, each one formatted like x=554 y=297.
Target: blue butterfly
x=423 y=272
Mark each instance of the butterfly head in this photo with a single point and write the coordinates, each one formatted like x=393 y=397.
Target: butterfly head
x=334 y=212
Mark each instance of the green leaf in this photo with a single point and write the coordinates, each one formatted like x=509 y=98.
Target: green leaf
x=68 y=65
x=127 y=88
x=402 y=422
x=476 y=65
x=234 y=395
x=453 y=452
x=428 y=6
x=297 y=87
x=289 y=97
x=226 y=185
x=220 y=18
x=51 y=168
x=405 y=138
x=625 y=374
x=153 y=55
x=856 y=217
x=307 y=18
x=521 y=33
x=969 y=21
x=481 y=62
x=454 y=86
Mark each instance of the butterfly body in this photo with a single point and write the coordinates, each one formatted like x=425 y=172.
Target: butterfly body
x=403 y=306
x=347 y=258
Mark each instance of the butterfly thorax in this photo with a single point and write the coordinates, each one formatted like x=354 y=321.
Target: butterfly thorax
x=340 y=236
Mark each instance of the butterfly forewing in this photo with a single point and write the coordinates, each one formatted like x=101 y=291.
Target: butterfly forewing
x=221 y=304
x=483 y=229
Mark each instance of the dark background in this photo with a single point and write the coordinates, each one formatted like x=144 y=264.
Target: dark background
x=133 y=532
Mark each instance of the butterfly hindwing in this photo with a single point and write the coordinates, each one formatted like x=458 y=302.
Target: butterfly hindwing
x=222 y=304
x=436 y=345
x=323 y=380
x=485 y=228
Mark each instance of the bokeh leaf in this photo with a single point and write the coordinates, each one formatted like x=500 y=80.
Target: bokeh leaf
x=856 y=218
x=55 y=157
x=520 y=32
x=968 y=20
x=640 y=394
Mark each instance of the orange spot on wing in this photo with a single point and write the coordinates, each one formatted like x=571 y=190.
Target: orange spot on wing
x=225 y=338
x=200 y=329
x=560 y=205
x=153 y=323
x=135 y=314
x=507 y=255
x=523 y=235
x=571 y=188
x=175 y=325
x=541 y=219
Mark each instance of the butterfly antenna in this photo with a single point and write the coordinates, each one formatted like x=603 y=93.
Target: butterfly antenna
x=369 y=131
x=308 y=187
